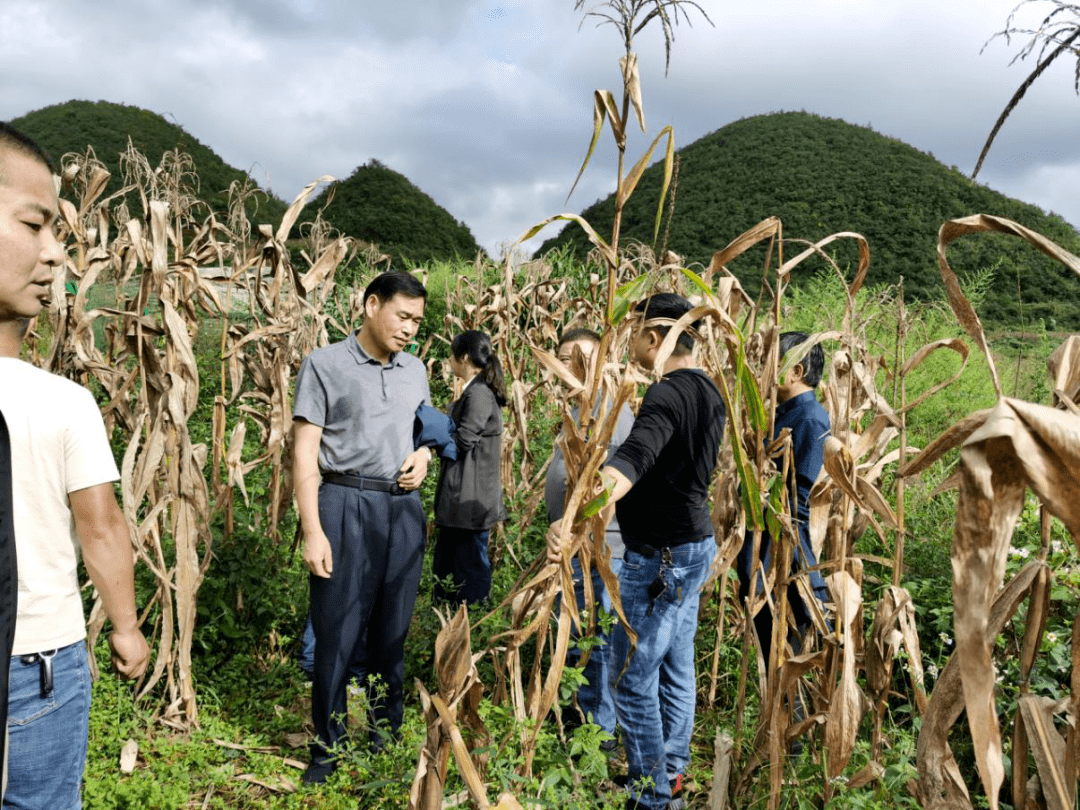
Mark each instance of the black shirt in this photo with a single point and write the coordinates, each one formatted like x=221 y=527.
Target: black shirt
x=669 y=458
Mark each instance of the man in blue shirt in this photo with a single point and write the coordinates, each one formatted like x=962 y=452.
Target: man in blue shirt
x=798 y=411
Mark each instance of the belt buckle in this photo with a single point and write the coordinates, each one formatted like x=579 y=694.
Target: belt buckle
x=665 y=555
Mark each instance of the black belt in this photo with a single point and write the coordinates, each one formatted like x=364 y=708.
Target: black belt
x=648 y=552
x=360 y=482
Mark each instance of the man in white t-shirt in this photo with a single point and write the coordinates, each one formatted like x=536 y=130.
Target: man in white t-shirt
x=62 y=492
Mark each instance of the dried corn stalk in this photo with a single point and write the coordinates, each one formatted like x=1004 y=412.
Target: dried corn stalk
x=168 y=267
x=1015 y=446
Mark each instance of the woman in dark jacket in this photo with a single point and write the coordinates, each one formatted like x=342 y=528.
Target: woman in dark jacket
x=469 y=499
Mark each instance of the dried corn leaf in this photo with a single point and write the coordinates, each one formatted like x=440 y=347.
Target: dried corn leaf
x=978 y=223
x=1019 y=445
x=950 y=439
x=769 y=228
x=1048 y=748
x=294 y=209
x=603 y=105
x=1064 y=368
x=953 y=344
x=129 y=755
x=816 y=249
x=840 y=465
x=632 y=83
x=453 y=654
x=847 y=704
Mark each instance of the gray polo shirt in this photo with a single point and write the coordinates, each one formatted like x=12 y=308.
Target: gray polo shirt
x=365 y=408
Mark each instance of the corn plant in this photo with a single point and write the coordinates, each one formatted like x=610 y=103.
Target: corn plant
x=176 y=269
x=1060 y=28
x=1004 y=451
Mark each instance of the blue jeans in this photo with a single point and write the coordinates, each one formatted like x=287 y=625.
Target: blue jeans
x=47 y=751
x=306 y=655
x=594 y=697
x=654 y=687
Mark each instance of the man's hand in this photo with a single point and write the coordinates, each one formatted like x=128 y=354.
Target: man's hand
x=317 y=555
x=412 y=472
x=130 y=653
x=554 y=543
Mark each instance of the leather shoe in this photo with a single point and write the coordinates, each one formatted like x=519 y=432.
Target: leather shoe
x=318 y=771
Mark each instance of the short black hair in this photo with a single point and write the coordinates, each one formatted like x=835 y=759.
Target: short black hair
x=813 y=362
x=579 y=333
x=11 y=138
x=386 y=285
x=672 y=306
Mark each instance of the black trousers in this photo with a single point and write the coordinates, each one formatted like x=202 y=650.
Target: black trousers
x=463 y=555
x=377 y=543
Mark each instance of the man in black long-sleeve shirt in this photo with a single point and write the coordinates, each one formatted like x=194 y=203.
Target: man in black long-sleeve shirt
x=661 y=479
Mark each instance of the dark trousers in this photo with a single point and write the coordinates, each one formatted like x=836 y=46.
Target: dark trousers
x=377 y=543
x=463 y=555
x=9 y=582
x=763 y=621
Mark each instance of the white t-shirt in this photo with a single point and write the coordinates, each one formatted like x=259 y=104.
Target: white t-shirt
x=58 y=445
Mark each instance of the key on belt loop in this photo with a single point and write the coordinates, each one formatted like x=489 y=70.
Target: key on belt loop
x=47 y=672
x=44 y=660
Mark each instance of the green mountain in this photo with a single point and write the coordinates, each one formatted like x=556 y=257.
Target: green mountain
x=74 y=125
x=821 y=176
x=378 y=205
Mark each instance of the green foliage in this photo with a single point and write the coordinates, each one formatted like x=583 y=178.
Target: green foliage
x=378 y=205
x=820 y=176
x=74 y=125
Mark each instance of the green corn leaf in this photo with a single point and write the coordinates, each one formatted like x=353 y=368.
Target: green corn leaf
x=627 y=295
x=755 y=407
x=776 y=497
x=697 y=281
x=593 y=507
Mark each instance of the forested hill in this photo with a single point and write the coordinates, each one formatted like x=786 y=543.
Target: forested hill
x=379 y=205
x=821 y=176
x=105 y=126
x=376 y=204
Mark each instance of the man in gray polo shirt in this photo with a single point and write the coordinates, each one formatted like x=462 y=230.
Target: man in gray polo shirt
x=356 y=476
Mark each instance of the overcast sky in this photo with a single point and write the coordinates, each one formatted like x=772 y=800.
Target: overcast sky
x=486 y=105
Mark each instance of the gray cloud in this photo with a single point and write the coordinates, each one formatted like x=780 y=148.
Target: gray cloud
x=487 y=104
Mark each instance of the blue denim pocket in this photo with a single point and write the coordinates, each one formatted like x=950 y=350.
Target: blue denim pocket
x=48 y=735
x=27 y=704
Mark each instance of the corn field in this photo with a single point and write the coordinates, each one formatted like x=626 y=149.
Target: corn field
x=183 y=276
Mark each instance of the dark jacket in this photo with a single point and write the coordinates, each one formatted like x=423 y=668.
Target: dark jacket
x=469 y=495
x=434 y=429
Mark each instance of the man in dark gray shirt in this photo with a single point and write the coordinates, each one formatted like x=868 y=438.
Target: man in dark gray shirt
x=594 y=697
x=356 y=476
